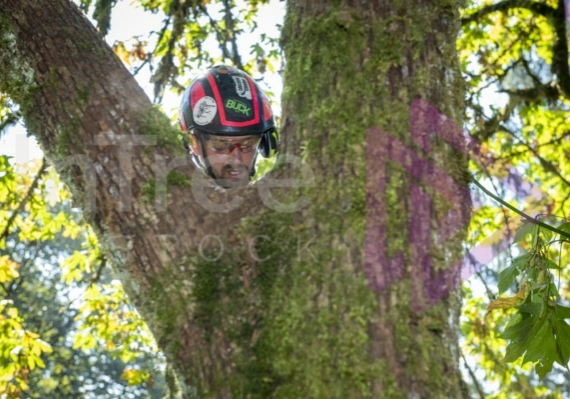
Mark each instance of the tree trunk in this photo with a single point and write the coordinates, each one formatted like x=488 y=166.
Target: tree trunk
x=335 y=276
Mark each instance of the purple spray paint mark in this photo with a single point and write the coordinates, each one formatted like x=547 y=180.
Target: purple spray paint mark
x=382 y=271
x=428 y=286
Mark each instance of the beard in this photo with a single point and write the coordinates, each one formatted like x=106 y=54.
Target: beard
x=232 y=176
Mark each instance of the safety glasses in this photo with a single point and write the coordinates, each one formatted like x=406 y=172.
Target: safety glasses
x=227 y=145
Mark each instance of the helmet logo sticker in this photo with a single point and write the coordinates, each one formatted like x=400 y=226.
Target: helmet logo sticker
x=242 y=87
x=238 y=106
x=205 y=110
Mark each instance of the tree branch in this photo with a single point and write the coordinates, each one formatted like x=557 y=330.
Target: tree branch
x=230 y=31
x=546 y=164
x=521 y=213
x=534 y=94
x=99 y=271
x=9 y=120
x=222 y=41
x=560 y=50
x=557 y=18
x=480 y=391
x=537 y=8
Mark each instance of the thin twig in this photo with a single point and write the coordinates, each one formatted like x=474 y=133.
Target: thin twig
x=473 y=377
x=22 y=203
x=521 y=213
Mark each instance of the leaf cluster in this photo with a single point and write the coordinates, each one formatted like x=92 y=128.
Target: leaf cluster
x=537 y=330
x=55 y=290
x=514 y=57
x=194 y=34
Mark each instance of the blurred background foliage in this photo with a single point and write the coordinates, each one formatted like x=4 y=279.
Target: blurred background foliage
x=514 y=57
x=66 y=327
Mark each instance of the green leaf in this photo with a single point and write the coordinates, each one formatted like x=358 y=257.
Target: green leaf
x=562 y=341
x=550 y=264
x=540 y=344
x=542 y=369
x=531 y=308
x=521 y=336
x=546 y=234
x=562 y=312
x=507 y=277
x=517 y=331
x=524 y=230
x=522 y=261
x=31 y=361
x=515 y=349
x=565 y=227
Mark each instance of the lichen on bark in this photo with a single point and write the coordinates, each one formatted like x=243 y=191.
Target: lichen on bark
x=17 y=75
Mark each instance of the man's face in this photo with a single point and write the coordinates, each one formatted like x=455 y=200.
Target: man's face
x=230 y=158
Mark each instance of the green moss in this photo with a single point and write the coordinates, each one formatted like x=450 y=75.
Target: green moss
x=84 y=96
x=283 y=339
x=228 y=296
x=174 y=178
x=149 y=190
x=316 y=353
x=165 y=310
x=361 y=55
x=155 y=123
x=167 y=313
x=67 y=139
x=177 y=178
x=305 y=350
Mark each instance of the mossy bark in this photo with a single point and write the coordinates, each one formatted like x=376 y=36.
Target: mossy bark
x=354 y=72
x=272 y=292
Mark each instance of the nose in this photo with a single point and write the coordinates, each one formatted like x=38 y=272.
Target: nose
x=236 y=152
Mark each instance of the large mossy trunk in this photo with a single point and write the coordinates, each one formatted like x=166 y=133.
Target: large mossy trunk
x=371 y=308
x=341 y=283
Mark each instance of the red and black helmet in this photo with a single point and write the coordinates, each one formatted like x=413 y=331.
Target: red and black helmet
x=227 y=102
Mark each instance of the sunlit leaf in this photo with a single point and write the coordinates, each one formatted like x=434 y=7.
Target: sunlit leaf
x=507 y=277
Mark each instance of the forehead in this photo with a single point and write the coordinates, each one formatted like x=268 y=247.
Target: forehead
x=234 y=138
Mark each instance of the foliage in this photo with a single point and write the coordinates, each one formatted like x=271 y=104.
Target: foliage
x=190 y=33
x=7 y=115
x=537 y=329
x=514 y=58
x=66 y=332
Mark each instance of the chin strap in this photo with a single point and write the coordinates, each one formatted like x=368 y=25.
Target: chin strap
x=203 y=166
x=202 y=162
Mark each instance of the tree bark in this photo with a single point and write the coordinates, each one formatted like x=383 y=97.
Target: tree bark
x=334 y=276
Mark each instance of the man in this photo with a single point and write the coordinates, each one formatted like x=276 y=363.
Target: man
x=228 y=120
